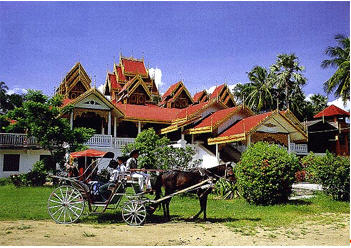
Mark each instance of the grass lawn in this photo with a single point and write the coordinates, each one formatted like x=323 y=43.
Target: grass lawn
x=30 y=203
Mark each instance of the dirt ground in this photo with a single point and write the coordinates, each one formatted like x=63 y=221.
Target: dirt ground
x=36 y=233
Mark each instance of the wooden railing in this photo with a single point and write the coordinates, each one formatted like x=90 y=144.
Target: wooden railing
x=98 y=140
x=17 y=139
x=299 y=148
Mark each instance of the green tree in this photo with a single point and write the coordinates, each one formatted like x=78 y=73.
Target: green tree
x=8 y=101
x=155 y=152
x=319 y=102
x=286 y=74
x=340 y=59
x=41 y=117
x=241 y=93
x=259 y=90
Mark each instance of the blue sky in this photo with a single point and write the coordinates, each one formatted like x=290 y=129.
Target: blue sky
x=204 y=43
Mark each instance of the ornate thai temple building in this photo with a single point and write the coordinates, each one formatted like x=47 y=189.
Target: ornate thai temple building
x=212 y=123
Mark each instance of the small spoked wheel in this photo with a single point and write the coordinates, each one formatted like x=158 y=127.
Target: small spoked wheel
x=134 y=213
x=65 y=204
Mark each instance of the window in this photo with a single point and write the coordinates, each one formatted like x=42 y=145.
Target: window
x=11 y=162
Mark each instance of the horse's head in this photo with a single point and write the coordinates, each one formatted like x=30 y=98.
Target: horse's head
x=229 y=173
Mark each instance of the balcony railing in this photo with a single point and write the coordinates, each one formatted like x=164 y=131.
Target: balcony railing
x=299 y=148
x=17 y=139
x=98 y=140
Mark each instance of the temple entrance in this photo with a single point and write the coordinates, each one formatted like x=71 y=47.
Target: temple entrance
x=91 y=120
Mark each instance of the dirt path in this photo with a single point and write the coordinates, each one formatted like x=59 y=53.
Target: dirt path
x=36 y=233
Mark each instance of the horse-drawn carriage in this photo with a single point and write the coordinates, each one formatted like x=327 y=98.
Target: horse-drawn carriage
x=66 y=204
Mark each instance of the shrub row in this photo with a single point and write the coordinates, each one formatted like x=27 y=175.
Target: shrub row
x=332 y=172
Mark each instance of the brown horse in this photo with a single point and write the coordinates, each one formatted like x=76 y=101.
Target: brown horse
x=176 y=180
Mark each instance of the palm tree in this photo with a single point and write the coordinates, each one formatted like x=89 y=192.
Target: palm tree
x=286 y=73
x=240 y=92
x=259 y=89
x=319 y=102
x=340 y=59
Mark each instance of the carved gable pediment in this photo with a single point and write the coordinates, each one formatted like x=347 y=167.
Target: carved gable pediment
x=91 y=102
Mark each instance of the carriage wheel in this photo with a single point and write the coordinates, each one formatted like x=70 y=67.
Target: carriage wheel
x=65 y=204
x=134 y=213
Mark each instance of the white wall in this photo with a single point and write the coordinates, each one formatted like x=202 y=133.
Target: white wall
x=208 y=158
x=27 y=159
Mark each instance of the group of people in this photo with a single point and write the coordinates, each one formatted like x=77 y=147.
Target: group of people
x=123 y=167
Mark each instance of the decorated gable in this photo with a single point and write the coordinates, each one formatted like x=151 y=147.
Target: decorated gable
x=75 y=83
x=223 y=94
x=201 y=96
x=134 y=91
x=177 y=96
x=91 y=102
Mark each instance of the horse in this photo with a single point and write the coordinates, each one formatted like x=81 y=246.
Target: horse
x=176 y=180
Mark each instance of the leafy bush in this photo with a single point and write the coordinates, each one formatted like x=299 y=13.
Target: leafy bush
x=5 y=181
x=155 y=152
x=225 y=189
x=35 y=177
x=333 y=172
x=266 y=173
x=309 y=166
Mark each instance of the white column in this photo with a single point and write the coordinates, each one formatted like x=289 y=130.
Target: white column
x=71 y=120
x=182 y=134
x=217 y=153
x=139 y=127
x=109 y=123
x=289 y=143
x=192 y=139
x=115 y=127
x=248 y=140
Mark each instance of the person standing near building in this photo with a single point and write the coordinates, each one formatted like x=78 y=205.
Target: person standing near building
x=132 y=163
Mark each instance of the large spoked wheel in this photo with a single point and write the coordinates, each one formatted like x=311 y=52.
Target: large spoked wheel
x=65 y=204
x=134 y=213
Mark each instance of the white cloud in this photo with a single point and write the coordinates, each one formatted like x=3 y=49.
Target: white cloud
x=101 y=88
x=210 y=90
x=156 y=74
x=16 y=91
x=339 y=103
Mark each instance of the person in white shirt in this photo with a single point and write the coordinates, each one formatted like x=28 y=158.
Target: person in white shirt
x=117 y=166
x=132 y=163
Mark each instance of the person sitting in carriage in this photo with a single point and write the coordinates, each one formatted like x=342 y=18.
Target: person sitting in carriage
x=143 y=178
x=118 y=169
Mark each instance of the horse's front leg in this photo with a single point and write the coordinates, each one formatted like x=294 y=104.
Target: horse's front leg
x=200 y=195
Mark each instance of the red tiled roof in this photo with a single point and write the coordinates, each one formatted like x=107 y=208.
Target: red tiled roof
x=245 y=125
x=126 y=86
x=170 y=90
x=216 y=92
x=332 y=110
x=120 y=74
x=216 y=117
x=198 y=96
x=147 y=112
x=134 y=66
x=191 y=110
x=114 y=84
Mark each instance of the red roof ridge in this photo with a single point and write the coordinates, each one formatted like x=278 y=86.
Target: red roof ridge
x=331 y=110
x=217 y=90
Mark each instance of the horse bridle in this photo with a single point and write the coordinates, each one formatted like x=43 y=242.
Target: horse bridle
x=225 y=172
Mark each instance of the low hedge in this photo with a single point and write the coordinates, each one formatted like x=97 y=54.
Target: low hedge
x=266 y=173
